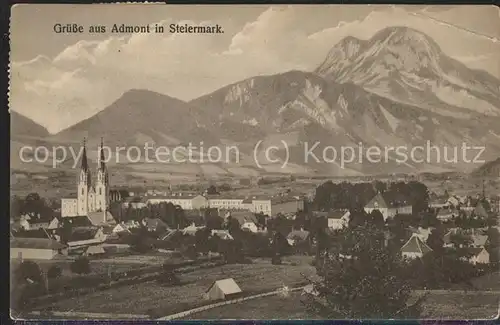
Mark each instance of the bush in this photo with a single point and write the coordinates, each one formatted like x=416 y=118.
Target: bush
x=29 y=270
x=80 y=266
x=54 y=272
x=167 y=275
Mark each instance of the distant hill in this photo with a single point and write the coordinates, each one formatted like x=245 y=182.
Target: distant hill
x=23 y=126
x=489 y=169
x=141 y=116
x=408 y=66
x=395 y=90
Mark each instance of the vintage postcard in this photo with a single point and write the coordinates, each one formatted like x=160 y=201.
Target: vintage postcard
x=180 y=162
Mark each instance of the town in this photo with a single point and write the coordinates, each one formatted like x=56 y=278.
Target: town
x=178 y=251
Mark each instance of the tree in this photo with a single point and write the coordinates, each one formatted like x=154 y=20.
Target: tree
x=279 y=244
x=54 y=272
x=225 y=187
x=212 y=218
x=168 y=275
x=139 y=241
x=116 y=211
x=233 y=226
x=377 y=218
x=33 y=205
x=379 y=186
x=435 y=240
x=201 y=240
x=212 y=190
x=80 y=266
x=16 y=206
x=362 y=279
x=29 y=270
x=29 y=283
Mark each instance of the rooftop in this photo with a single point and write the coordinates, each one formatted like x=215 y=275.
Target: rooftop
x=227 y=286
x=415 y=245
x=35 y=243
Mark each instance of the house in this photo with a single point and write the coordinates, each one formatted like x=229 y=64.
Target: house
x=480 y=211
x=93 y=250
x=76 y=222
x=227 y=202
x=415 y=248
x=286 y=205
x=479 y=255
x=126 y=226
x=479 y=240
x=36 y=248
x=388 y=208
x=338 y=219
x=222 y=234
x=85 y=236
x=453 y=201
x=169 y=234
x=100 y=218
x=310 y=290
x=261 y=204
x=35 y=233
x=439 y=203
x=191 y=229
x=422 y=233
x=445 y=214
x=120 y=228
x=154 y=224
x=186 y=201
x=246 y=220
x=223 y=289
x=297 y=236
x=37 y=222
x=447 y=242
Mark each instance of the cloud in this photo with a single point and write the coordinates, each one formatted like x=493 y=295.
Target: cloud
x=89 y=75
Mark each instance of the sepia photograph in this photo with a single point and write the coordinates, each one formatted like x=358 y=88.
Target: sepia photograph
x=254 y=162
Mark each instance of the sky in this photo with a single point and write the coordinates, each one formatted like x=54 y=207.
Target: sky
x=60 y=79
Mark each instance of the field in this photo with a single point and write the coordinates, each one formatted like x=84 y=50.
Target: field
x=154 y=299
x=439 y=305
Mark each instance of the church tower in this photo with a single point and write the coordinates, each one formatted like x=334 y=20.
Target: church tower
x=102 y=184
x=84 y=184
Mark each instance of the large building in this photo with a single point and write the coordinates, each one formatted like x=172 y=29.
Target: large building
x=91 y=197
x=36 y=248
x=258 y=204
x=388 y=208
x=185 y=201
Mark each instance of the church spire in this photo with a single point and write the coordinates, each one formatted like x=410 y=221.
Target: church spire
x=102 y=158
x=84 y=170
x=102 y=164
x=85 y=166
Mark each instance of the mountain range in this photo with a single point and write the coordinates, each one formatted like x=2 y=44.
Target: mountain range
x=396 y=89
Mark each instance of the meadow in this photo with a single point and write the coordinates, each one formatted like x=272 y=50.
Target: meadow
x=159 y=300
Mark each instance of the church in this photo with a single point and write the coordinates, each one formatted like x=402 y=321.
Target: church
x=92 y=199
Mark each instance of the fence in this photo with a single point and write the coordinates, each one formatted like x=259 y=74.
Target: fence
x=224 y=303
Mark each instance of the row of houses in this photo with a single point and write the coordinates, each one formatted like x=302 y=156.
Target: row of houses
x=27 y=222
x=465 y=203
x=415 y=247
x=257 y=204
x=338 y=219
x=82 y=237
x=449 y=212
